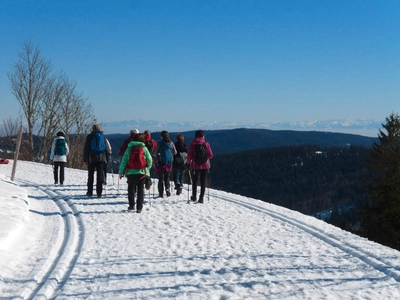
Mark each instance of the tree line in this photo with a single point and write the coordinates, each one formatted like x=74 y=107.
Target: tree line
x=307 y=178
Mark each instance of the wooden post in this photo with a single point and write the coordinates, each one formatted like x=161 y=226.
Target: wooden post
x=16 y=153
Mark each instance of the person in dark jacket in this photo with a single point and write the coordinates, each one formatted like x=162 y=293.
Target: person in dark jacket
x=151 y=146
x=179 y=164
x=94 y=161
x=165 y=150
x=200 y=169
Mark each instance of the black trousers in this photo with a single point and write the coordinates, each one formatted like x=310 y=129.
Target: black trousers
x=136 y=183
x=57 y=165
x=203 y=179
x=163 y=180
x=98 y=167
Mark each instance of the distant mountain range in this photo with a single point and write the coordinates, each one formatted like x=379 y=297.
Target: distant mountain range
x=361 y=127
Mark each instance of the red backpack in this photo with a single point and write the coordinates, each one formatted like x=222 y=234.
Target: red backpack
x=137 y=159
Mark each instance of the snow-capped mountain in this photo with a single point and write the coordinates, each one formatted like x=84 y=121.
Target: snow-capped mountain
x=362 y=127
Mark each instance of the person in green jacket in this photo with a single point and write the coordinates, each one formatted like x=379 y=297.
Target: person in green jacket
x=136 y=170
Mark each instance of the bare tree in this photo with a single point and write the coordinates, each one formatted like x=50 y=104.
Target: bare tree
x=76 y=120
x=29 y=83
x=50 y=112
x=49 y=103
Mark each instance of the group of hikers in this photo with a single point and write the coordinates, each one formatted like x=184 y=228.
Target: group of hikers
x=141 y=158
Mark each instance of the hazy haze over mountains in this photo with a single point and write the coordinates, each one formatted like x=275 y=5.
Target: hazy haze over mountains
x=361 y=127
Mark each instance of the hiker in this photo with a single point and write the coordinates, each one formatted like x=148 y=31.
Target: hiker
x=135 y=165
x=108 y=158
x=94 y=156
x=179 y=164
x=164 y=158
x=124 y=145
x=58 y=155
x=151 y=146
x=198 y=160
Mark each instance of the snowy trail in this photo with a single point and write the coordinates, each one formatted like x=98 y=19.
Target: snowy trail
x=53 y=274
x=382 y=264
x=74 y=235
x=230 y=247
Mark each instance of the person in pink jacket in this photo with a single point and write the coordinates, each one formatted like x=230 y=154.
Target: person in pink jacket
x=198 y=160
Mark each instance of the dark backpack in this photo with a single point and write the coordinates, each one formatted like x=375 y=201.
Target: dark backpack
x=60 y=148
x=165 y=154
x=98 y=144
x=137 y=159
x=181 y=158
x=149 y=146
x=200 y=153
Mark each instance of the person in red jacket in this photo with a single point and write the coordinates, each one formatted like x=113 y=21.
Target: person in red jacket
x=198 y=160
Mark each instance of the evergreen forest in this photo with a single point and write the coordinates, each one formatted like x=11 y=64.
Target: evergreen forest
x=314 y=180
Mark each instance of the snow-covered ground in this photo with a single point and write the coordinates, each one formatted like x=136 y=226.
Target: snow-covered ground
x=55 y=242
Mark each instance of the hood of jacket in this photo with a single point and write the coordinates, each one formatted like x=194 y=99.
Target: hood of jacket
x=199 y=140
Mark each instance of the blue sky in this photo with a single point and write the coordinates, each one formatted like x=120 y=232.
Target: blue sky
x=259 y=61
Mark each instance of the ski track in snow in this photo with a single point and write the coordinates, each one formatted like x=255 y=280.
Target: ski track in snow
x=61 y=260
x=369 y=258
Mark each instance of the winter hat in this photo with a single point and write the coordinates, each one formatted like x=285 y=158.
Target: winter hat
x=60 y=133
x=134 y=131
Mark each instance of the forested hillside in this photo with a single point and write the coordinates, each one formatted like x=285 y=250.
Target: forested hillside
x=308 y=178
x=234 y=140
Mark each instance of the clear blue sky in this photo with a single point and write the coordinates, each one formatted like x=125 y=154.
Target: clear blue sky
x=260 y=60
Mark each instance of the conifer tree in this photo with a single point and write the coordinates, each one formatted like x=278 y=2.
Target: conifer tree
x=380 y=219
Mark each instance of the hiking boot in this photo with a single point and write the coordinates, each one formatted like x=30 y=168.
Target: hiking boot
x=179 y=191
x=89 y=194
x=193 y=198
x=168 y=193
x=160 y=196
x=98 y=196
x=139 y=211
x=200 y=200
x=130 y=208
x=55 y=182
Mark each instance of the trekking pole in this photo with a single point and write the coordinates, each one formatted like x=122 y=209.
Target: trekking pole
x=118 y=186
x=188 y=193
x=190 y=182
x=112 y=170
x=118 y=176
x=208 y=188
x=149 y=198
